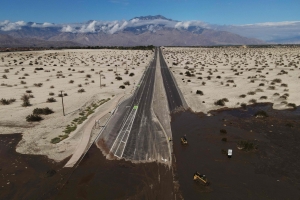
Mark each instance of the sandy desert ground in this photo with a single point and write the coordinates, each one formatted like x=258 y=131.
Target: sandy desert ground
x=233 y=77
x=67 y=70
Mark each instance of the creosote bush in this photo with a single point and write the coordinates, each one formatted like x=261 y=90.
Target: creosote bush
x=81 y=90
x=126 y=83
x=51 y=100
x=246 y=145
x=292 y=105
x=7 y=101
x=199 y=92
x=122 y=86
x=221 y=102
x=26 y=102
x=261 y=113
x=33 y=118
x=42 y=111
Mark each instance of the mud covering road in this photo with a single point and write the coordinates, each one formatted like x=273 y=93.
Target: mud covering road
x=37 y=177
x=270 y=172
x=99 y=178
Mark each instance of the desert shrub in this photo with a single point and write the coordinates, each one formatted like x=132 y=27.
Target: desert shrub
x=26 y=74
x=251 y=93
x=7 y=101
x=223 y=131
x=199 y=92
x=79 y=85
x=261 y=113
x=259 y=90
x=131 y=74
x=23 y=82
x=284 y=85
x=218 y=77
x=263 y=97
x=33 y=118
x=276 y=94
x=261 y=84
x=71 y=81
x=4 y=76
x=244 y=106
x=277 y=80
x=38 y=84
x=221 y=102
x=28 y=91
x=65 y=94
x=271 y=87
x=88 y=76
x=283 y=97
x=42 y=111
x=118 y=78
x=224 y=139
x=126 y=83
x=81 y=90
x=122 y=86
x=55 y=140
x=51 y=94
x=51 y=86
x=252 y=101
x=243 y=96
x=126 y=72
x=6 y=71
x=246 y=145
x=292 y=105
x=51 y=100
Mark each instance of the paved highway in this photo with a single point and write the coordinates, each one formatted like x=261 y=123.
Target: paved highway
x=133 y=131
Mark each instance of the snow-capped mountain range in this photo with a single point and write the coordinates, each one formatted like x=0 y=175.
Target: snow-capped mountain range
x=149 y=30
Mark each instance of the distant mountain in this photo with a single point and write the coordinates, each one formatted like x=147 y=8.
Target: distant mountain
x=145 y=30
x=150 y=17
x=9 y=41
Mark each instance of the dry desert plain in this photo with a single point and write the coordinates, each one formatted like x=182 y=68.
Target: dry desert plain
x=222 y=77
x=41 y=75
x=212 y=78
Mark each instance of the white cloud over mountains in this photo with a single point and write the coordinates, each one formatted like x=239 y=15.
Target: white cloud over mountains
x=266 y=31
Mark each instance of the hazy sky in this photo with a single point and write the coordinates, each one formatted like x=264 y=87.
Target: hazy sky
x=211 y=11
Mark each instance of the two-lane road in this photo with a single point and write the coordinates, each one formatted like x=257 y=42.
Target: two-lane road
x=133 y=131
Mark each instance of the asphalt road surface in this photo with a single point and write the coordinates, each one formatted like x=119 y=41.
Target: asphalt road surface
x=173 y=96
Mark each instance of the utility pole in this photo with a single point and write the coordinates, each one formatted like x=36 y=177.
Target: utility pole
x=100 y=78
x=62 y=101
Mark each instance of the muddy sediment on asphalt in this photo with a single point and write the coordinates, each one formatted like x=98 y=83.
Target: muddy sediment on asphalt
x=37 y=177
x=270 y=172
x=99 y=178
x=27 y=176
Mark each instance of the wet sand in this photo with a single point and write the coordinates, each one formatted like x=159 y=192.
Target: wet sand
x=270 y=172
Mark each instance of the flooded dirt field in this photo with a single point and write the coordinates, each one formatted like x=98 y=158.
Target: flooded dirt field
x=270 y=172
x=27 y=176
